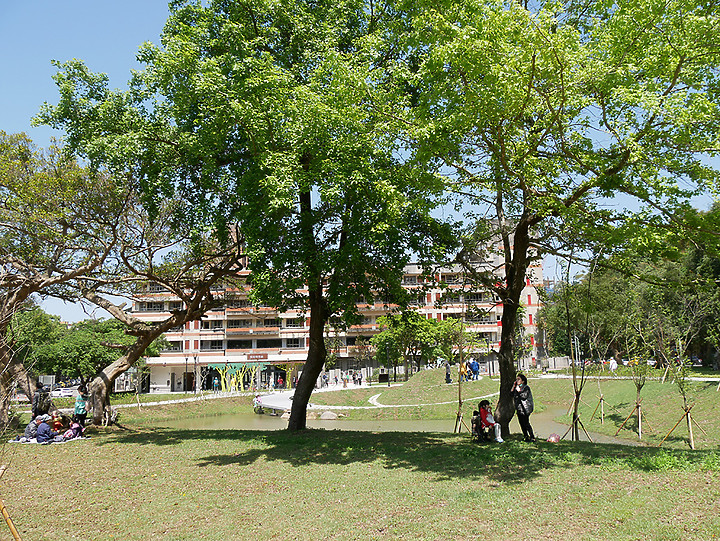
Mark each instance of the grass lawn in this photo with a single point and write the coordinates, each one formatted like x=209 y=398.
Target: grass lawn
x=148 y=482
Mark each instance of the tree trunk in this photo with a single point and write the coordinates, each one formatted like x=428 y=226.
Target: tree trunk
x=576 y=418
x=102 y=385
x=12 y=373
x=314 y=363
x=505 y=409
x=516 y=265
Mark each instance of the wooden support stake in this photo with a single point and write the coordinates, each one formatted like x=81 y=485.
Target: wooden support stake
x=586 y=432
x=601 y=405
x=6 y=515
x=626 y=420
x=687 y=412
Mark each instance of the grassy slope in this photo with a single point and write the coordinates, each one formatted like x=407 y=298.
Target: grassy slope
x=145 y=483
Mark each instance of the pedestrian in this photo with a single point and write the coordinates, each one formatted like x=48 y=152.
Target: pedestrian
x=523 y=405
x=81 y=405
x=475 y=368
x=613 y=365
x=41 y=400
x=448 y=379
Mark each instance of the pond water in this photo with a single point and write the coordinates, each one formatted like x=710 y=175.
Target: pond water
x=543 y=424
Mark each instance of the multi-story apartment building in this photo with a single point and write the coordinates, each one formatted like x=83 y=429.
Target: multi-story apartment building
x=270 y=344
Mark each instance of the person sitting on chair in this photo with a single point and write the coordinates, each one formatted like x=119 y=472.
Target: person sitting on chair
x=488 y=421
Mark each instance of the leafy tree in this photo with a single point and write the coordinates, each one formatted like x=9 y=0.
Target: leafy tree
x=407 y=335
x=537 y=114
x=266 y=115
x=31 y=337
x=58 y=222
x=88 y=346
x=196 y=270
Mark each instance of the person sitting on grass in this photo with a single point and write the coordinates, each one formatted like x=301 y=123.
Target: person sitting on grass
x=475 y=424
x=32 y=428
x=488 y=421
x=45 y=434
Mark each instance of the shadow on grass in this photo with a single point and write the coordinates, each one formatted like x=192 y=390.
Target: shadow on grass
x=446 y=456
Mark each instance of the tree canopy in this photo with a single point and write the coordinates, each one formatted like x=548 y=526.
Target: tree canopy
x=265 y=115
x=537 y=116
x=327 y=130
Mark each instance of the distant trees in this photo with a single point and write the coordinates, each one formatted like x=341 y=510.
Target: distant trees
x=669 y=309
x=409 y=336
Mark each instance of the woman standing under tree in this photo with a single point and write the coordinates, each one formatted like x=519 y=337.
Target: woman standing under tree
x=80 y=410
x=524 y=405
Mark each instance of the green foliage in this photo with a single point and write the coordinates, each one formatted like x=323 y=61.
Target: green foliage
x=32 y=334
x=80 y=350
x=267 y=117
x=411 y=336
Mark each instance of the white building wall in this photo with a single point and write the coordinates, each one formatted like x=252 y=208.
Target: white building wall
x=199 y=344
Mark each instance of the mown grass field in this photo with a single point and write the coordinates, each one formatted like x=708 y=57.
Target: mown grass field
x=148 y=482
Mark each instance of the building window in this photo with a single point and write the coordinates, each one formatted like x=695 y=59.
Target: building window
x=239 y=344
x=175 y=305
x=270 y=343
x=481 y=318
x=294 y=342
x=211 y=345
x=238 y=303
x=409 y=279
x=152 y=306
x=271 y=322
x=451 y=278
x=296 y=323
x=173 y=346
x=450 y=298
x=213 y=324
x=478 y=298
x=154 y=287
x=240 y=323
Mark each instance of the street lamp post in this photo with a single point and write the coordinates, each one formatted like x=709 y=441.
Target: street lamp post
x=195 y=373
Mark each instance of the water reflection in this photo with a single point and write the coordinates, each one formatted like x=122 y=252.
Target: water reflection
x=543 y=423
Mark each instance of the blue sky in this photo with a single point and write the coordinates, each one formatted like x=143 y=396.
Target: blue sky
x=105 y=34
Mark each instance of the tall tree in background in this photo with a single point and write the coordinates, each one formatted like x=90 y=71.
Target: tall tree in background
x=266 y=115
x=58 y=222
x=537 y=116
x=196 y=269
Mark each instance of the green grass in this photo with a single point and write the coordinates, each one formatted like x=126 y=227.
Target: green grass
x=662 y=407
x=147 y=482
x=228 y=484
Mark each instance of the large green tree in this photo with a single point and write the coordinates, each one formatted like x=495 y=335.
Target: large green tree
x=265 y=114
x=58 y=221
x=538 y=114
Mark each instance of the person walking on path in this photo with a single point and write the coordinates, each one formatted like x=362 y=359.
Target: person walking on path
x=523 y=405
